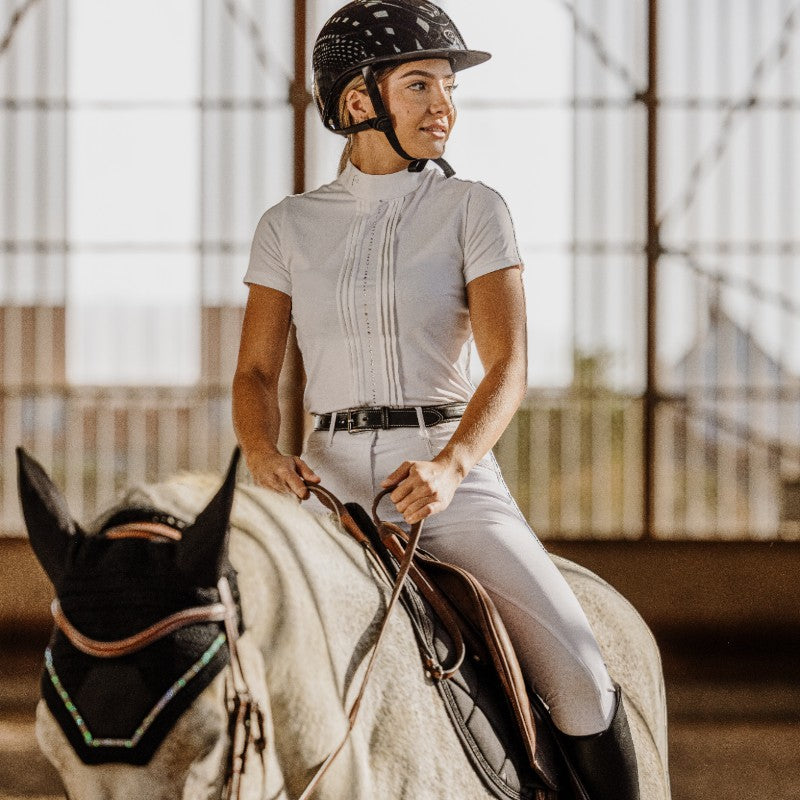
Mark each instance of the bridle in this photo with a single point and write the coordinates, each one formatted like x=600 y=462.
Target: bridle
x=245 y=715
x=244 y=712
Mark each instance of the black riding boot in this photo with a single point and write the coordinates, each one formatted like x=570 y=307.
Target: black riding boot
x=606 y=762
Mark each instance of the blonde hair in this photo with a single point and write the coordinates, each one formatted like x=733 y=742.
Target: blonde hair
x=346 y=118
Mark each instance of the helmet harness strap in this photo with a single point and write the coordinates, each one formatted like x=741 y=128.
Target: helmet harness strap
x=382 y=122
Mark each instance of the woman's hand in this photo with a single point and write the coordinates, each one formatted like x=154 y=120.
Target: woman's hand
x=423 y=488
x=284 y=474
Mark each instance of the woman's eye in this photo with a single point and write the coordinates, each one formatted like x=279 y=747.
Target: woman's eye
x=421 y=86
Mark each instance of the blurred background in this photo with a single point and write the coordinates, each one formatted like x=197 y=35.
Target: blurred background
x=649 y=154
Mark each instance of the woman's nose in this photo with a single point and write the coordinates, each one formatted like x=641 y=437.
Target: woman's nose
x=441 y=101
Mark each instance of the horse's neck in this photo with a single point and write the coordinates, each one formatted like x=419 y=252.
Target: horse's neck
x=313 y=607
x=321 y=599
x=303 y=581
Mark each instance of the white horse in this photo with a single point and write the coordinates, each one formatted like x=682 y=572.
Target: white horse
x=311 y=604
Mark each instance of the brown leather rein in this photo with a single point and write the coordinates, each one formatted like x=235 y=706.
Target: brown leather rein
x=246 y=717
x=389 y=534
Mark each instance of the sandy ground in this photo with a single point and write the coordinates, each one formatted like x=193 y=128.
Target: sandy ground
x=732 y=761
x=731 y=739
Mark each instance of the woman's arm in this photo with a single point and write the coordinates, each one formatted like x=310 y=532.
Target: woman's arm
x=256 y=414
x=497 y=313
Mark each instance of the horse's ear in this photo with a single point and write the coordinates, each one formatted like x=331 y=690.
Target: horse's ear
x=204 y=544
x=50 y=525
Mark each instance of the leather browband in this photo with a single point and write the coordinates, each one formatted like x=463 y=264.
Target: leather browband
x=217 y=612
x=143 y=530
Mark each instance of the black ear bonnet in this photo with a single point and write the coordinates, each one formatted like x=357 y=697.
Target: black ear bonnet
x=120 y=709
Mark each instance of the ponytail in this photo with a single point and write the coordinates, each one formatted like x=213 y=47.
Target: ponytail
x=346 y=153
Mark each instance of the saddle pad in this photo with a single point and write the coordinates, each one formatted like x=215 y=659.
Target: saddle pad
x=476 y=703
x=482 y=715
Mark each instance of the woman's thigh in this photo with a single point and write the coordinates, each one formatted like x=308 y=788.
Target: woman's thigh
x=485 y=534
x=483 y=531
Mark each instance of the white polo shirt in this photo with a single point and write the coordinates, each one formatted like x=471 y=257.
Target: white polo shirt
x=376 y=266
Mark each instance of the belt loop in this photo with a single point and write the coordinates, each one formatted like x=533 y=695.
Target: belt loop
x=332 y=427
x=423 y=430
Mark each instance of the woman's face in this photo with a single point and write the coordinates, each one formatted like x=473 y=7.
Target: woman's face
x=419 y=98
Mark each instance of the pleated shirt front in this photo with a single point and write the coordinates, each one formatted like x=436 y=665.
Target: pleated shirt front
x=377 y=267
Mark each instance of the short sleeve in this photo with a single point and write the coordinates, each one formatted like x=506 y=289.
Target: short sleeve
x=267 y=265
x=489 y=239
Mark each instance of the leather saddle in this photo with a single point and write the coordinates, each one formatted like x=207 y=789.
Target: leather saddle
x=467 y=653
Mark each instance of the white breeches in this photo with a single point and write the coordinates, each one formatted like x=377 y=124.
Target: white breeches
x=483 y=531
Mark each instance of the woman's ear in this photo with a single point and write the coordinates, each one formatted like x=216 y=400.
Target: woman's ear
x=359 y=105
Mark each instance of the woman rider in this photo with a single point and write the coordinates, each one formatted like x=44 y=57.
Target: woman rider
x=390 y=273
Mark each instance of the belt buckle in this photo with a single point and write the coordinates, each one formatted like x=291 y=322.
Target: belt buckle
x=357 y=419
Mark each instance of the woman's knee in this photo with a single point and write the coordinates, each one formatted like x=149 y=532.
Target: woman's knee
x=561 y=659
x=580 y=704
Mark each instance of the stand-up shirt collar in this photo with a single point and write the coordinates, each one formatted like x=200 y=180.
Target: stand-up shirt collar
x=380 y=187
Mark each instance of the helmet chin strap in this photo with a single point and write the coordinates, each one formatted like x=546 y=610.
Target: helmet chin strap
x=382 y=122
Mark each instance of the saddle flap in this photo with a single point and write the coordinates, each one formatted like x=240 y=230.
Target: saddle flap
x=474 y=604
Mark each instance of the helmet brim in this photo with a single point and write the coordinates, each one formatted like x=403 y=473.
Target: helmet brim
x=460 y=59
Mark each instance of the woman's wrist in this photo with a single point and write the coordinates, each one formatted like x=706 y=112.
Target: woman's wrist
x=457 y=462
x=259 y=458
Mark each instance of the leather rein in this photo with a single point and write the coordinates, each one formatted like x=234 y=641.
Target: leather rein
x=389 y=534
x=245 y=716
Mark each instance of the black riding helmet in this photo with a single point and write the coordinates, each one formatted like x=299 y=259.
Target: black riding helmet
x=369 y=33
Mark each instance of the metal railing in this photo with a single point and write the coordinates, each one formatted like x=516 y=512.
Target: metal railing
x=682 y=418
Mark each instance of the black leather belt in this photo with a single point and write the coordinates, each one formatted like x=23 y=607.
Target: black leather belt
x=384 y=417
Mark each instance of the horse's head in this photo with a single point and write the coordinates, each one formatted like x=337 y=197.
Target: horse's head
x=136 y=694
